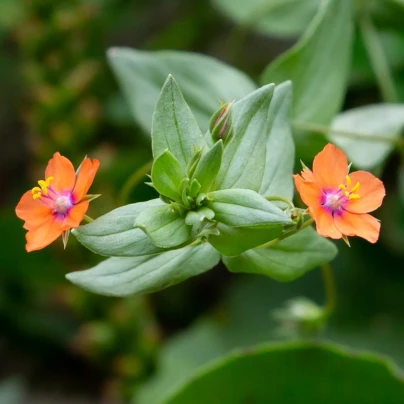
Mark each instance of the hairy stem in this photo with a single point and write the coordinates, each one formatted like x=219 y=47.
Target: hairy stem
x=88 y=219
x=281 y=199
x=329 y=287
x=286 y=235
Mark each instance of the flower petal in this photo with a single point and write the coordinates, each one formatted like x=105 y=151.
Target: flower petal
x=75 y=215
x=62 y=171
x=308 y=191
x=32 y=211
x=85 y=178
x=361 y=225
x=330 y=167
x=43 y=235
x=325 y=225
x=371 y=191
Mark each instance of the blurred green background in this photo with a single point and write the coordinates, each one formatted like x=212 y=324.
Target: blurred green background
x=57 y=93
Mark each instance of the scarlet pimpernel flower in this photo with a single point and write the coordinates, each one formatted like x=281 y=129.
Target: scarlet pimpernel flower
x=59 y=203
x=339 y=202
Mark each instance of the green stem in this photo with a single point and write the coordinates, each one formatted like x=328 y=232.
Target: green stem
x=317 y=128
x=88 y=219
x=134 y=180
x=281 y=199
x=330 y=292
x=286 y=235
x=377 y=57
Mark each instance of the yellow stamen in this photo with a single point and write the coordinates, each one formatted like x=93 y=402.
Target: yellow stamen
x=356 y=187
x=346 y=193
x=44 y=184
x=354 y=196
x=348 y=180
x=341 y=186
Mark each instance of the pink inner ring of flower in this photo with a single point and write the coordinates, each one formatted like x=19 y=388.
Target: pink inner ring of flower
x=59 y=202
x=334 y=200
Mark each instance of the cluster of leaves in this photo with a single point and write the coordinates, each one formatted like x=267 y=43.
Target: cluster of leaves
x=212 y=202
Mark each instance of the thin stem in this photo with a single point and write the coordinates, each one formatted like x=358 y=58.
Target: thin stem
x=377 y=57
x=134 y=180
x=88 y=219
x=286 y=235
x=329 y=286
x=281 y=199
x=317 y=128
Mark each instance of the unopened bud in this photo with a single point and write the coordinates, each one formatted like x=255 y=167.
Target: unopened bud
x=221 y=123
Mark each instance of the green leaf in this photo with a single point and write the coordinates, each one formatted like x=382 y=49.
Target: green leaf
x=204 y=81
x=235 y=240
x=244 y=157
x=174 y=127
x=295 y=373
x=164 y=225
x=287 y=260
x=134 y=275
x=271 y=17
x=318 y=64
x=209 y=166
x=246 y=208
x=167 y=175
x=196 y=217
x=381 y=121
x=114 y=234
x=280 y=149
x=247 y=220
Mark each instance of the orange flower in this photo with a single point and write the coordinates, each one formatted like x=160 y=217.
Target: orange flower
x=339 y=203
x=59 y=203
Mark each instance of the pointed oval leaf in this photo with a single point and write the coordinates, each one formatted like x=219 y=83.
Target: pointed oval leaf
x=246 y=208
x=244 y=157
x=379 y=120
x=203 y=80
x=135 y=275
x=280 y=149
x=174 y=126
x=165 y=227
x=318 y=64
x=298 y=373
x=287 y=260
x=167 y=175
x=233 y=241
x=271 y=17
x=114 y=234
x=208 y=167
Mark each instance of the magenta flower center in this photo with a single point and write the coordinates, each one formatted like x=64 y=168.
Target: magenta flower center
x=59 y=202
x=334 y=200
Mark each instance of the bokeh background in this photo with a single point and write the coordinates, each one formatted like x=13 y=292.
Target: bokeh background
x=61 y=344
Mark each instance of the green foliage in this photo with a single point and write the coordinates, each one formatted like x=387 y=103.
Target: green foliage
x=272 y=17
x=164 y=225
x=148 y=273
x=167 y=175
x=174 y=126
x=323 y=53
x=114 y=234
x=298 y=373
x=371 y=130
x=141 y=75
x=287 y=259
x=208 y=167
x=251 y=131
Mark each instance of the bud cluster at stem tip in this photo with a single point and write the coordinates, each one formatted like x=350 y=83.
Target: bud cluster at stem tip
x=221 y=123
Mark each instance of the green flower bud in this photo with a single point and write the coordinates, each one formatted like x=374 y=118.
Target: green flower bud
x=221 y=123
